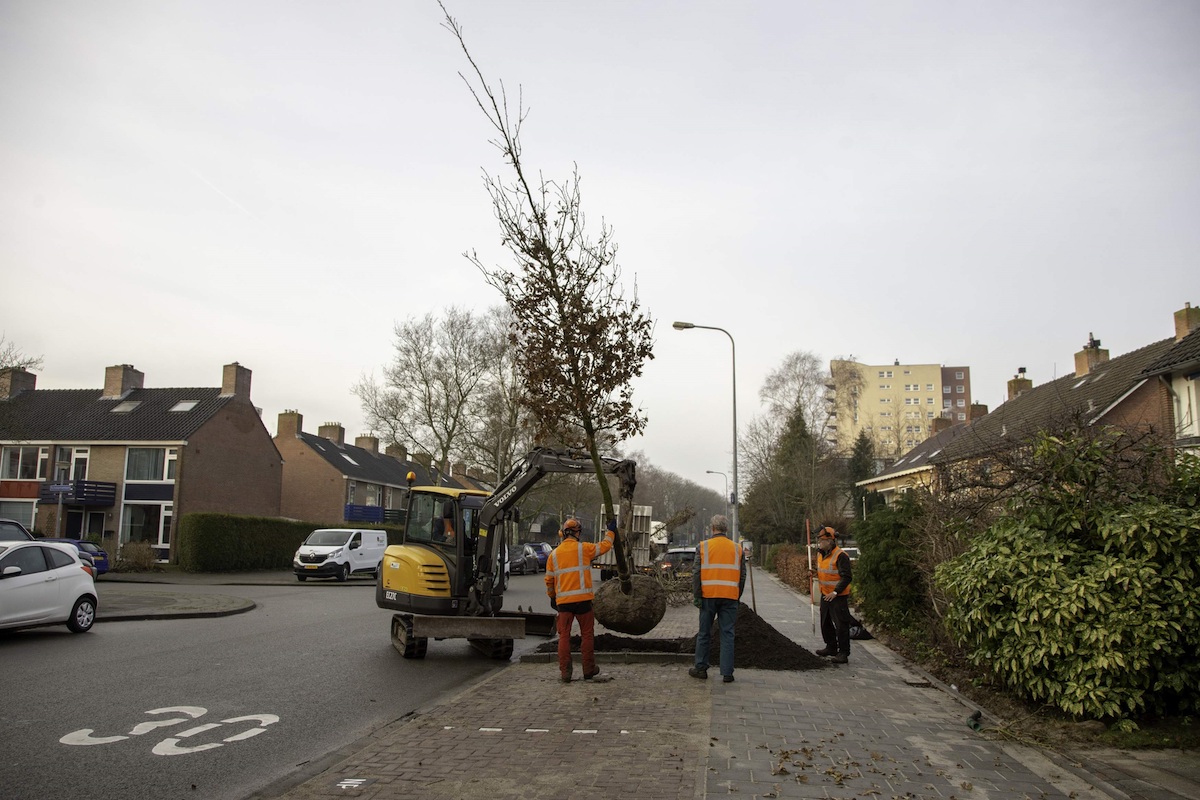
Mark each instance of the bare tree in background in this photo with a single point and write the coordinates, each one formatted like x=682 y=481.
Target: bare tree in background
x=429 y=394
x=502 y=430
x=12 y=356
x=580 y=342
x=801 y=381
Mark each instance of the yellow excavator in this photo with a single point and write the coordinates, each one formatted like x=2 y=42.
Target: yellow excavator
x=447 y=579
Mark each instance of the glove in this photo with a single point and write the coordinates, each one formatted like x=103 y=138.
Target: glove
x=612 y=525
x=697 y=602
x=553 y=604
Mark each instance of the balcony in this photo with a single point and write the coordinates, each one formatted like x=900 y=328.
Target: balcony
x=78 y=493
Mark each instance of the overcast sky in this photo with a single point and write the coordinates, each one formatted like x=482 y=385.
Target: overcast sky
x=187 y=184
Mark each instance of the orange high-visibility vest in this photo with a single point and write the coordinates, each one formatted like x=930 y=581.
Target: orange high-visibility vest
x=569 y=569
x=720 y=567
x=827 y=572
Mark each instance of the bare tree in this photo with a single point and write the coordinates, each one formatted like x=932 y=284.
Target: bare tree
x=502 y=429
x=580 y=342
x=801 y=381
x=429 y=392
x=11 y=356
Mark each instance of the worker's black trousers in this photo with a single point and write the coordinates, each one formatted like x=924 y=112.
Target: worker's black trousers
x=835 y=623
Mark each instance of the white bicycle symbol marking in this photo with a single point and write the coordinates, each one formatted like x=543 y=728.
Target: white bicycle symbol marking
x=170 y=746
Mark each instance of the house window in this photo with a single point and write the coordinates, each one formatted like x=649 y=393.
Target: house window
x=960 y=389
x=958 y=376
x=947 y=403
x=184 y=405
x=885 y=386
x=946 y=389
x=20 y=510
x=929 y=387
x=79 y=470
x=929 y=414
x=888 y=374
x=151 y=463
x=22 y=463
x=150 y=523
x=885 y=399
x=928 y=401
x=961 y=416
x=350 y=489
x=960 y=403
x=881 y=373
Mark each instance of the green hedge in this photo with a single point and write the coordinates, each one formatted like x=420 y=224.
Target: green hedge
x=224 y=542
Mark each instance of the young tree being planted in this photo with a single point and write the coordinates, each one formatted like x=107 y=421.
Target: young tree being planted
x=580 y=340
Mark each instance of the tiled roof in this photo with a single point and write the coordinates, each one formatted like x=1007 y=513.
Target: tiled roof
x=1186 y=352
x=921 y=456
x=80 y=415
x=361 y=464
x=1058 y=401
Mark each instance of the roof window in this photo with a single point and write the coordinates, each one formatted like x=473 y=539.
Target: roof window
x=185 y=405
x=351 y=460
x=125 y=406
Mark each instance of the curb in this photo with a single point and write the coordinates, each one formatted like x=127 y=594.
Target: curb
x=140 y=616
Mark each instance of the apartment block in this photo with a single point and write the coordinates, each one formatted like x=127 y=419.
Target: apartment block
x=895 y=404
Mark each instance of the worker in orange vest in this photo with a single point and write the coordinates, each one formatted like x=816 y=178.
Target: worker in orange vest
x=717 y=584
x=833 y=575
x=569 y=584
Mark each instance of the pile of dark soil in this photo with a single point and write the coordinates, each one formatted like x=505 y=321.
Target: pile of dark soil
x=756 y=645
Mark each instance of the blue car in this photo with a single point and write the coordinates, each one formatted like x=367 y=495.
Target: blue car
x=542 y=551
x=99 y=557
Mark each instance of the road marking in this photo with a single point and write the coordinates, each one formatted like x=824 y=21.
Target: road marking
x=170 y=746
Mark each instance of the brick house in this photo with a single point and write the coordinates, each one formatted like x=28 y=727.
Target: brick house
x=1140 y=391
x=330 y=482
x=124 y=461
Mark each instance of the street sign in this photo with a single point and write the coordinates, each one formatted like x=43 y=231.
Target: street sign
x=60 y=488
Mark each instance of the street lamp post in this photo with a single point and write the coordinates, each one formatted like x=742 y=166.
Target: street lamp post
x=726 y=477
x=733 y=498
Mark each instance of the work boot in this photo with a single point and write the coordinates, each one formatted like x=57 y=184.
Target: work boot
x=827 y=651
x=840 y=658
x=696 y=672
x=587 y=676
x=727 y=679
x=565 y=679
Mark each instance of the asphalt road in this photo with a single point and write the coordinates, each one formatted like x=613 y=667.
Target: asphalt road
x=230 y=707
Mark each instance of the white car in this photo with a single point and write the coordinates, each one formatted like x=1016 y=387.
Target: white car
x=44 y=583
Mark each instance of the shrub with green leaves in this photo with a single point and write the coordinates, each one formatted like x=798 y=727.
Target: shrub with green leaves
x=888 y=583
x=1085 y=595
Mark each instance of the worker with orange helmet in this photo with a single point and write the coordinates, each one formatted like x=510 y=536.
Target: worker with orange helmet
x=569 y=584
x=833 y=576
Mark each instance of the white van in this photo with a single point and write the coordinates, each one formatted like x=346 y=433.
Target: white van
x=339 y=553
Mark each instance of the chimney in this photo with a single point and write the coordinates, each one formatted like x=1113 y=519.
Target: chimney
x=367 y=443
x=1018 y=385
x=14 y=380
x=475 y=473
x=460 y=470
x=291 y=423
x=120 y=380
x=235 y=380
x=1090 y=357
x=978 y=410
x=424 y=459
x=1187 y=319
x=334 y=432
x=396 y=451
x=938 y=425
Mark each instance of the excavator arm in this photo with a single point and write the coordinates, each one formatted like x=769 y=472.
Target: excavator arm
x=537 y=464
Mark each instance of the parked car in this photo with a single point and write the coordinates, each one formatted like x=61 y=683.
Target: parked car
x=542 y=550
x=678 y=562
x=13 y=531
x=45 y=583
x=339 y=553
x=522 y=559
x=89 y=551
x=852 y=552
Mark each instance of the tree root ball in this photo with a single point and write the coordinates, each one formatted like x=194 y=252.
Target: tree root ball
x=635 y=613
